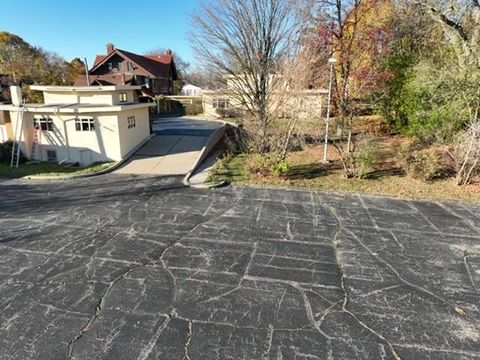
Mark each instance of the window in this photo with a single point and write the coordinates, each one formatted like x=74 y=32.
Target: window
x=85 y=124
x=130 y=66
x=131 y=123
x=221 y=103
x=51 y=156
x=43 y=123
x=122 y=97
x=110 y=66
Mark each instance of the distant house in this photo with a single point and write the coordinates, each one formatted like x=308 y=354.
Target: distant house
x=81 y=124
x=191 y=90
x=154 y=73
x=231 y=100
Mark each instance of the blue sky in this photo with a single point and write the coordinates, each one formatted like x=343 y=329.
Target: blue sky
x=81 y=28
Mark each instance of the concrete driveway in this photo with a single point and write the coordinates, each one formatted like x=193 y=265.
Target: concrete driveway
x=119 y=267
x=175 y=148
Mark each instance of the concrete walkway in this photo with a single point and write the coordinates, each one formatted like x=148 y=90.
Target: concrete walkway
x=175 y=148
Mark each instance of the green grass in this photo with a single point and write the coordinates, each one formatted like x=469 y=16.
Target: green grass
x=230 y=168
x=46 y=169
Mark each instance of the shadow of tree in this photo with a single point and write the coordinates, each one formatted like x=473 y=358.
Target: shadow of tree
x=306 y=171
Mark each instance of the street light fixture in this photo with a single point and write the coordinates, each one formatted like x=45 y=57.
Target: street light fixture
x=332 y=61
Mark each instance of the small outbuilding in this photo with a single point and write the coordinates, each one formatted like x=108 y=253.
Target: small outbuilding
x=79 y=124
x=191 y=90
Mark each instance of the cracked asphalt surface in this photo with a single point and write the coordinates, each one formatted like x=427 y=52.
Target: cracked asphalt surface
x=118 y=267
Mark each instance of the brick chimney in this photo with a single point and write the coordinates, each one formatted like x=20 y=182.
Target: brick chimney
x=110 y=48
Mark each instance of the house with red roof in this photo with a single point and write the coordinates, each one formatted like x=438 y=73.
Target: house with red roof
x=154 y=73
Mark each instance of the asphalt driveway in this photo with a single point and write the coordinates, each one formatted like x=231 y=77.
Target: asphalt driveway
x=120 y=267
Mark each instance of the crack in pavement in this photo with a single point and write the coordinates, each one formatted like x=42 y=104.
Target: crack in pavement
x=310 y=287
x=98 y=310
x=420 y=289
x=178 y=241
x=149 y=347
x=101 y=303
x=189 y=340
x=336 y=242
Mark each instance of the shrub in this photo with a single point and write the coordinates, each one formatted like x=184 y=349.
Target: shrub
x=367 y=159
x=374 y=125
x=281 y=169
x=195 y=108
x=229 y=113
x=6 y=153
x=467 y=154
x=425 y=163
x=265 y=165
x=434 y=101
x=259 y=164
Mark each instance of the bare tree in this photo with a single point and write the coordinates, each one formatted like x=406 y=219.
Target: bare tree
x=460 y=21
x=296 y=95
x=245 y=41
x=181 y=65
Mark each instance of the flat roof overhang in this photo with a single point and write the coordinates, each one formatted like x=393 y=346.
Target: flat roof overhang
x=76 y=108
x=84 y=88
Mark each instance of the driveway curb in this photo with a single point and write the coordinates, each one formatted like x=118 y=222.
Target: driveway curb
x=213 y=139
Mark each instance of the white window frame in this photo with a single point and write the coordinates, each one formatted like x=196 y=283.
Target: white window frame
x=44 y=123
x=84 y=124
x=122 y=97
x=221 y=103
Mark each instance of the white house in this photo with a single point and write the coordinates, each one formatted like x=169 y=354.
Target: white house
x=191 y=90
x=83 y=124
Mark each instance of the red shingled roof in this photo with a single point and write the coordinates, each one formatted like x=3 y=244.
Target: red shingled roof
x=99 y=59
x=157 y=65
x=116 y=79
x=164 y=59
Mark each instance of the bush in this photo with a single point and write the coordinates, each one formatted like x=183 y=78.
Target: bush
x=425 y=163
x=367 y=159
x=281 y=169
x=434 y=101
x=374 y=125
x=229 y=113
x=259 y=164
x=6 y=153
x=195 y=108
x=467 y=154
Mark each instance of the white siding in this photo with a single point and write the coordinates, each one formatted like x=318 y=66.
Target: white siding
x=129 y=138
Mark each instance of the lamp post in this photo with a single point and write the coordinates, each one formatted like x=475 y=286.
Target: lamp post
x=332 y=61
